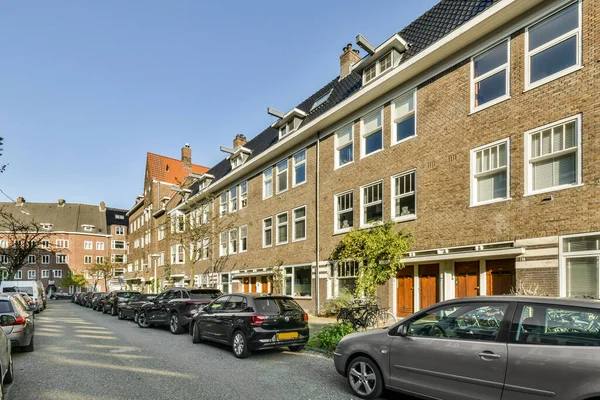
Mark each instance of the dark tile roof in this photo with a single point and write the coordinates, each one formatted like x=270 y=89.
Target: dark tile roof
x=111 y=217
x=436 y=23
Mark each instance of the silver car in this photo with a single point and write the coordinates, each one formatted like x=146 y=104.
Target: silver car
x=6 y=361
x=16 y=322
x=481 y=348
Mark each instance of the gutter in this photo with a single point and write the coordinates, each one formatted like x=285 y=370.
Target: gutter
x=317 y=235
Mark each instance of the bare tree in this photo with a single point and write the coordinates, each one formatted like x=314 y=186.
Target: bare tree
x=104 y=270
x=19 y=239
x=2 y=167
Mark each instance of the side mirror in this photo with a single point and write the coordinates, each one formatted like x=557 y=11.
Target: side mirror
x=403 y=330
x=7 y=320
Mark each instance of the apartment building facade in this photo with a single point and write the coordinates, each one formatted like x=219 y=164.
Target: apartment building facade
x=473 y=128
x=76 y=236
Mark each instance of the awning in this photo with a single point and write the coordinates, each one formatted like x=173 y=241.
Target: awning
x=468 y=255
x=249 y=274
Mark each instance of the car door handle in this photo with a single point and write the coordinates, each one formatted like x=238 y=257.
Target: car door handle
x=488 y=354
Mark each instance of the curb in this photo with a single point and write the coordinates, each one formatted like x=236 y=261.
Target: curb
x=324 y=352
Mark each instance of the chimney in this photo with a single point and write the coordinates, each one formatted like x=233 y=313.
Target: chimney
x=61 y=202
x=186 y=156
x=239 y=141
x=347 y=60
x=20 y=201
x=102 y=206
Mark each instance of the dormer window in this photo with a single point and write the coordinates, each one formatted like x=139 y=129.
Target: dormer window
x=289 y=122
x=239 y=157
x=370 y=73
x=385 y=63
x=88 y=228
x=382 y=59
x=288 y=128
x=381 y=66
x=204 y=181
x=46 y=227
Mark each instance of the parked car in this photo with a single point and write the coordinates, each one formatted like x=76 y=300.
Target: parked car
x=77 y=297
x=250 y=322
x=481 y=348
x=43 y=294
x=101 y=300
x=131 y=307
x=29 y=287
x=94 y=299
x=61 y=296
x=87 y=300
x=114 y=298
x=16 y=322
x=175 y=307
x=6 y=363
x=25 y=301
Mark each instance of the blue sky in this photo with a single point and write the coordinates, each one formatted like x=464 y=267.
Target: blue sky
x=87 y=88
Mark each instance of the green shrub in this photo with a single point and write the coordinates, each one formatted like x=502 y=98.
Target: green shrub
x=332 y=306
x=329 y=336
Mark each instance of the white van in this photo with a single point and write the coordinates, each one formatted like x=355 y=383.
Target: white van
x=29 y=287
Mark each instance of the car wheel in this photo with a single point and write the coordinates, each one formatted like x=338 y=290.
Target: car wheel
x=104 y=311
x=364 y=378
x=196 y=335
x=239 y=344
x=174 y=324
x=9 y=377
x=296 y=348
x=120 y=314
x=142 y=321
x=113 y=311
x=135 y=317
x=29 y=347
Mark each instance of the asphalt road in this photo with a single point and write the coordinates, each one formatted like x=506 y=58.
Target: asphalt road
x=81 y=354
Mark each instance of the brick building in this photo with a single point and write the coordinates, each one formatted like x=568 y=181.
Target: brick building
x=77 y=237
x=474 y=128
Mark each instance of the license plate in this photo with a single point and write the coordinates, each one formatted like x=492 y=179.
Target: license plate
x=287 y=335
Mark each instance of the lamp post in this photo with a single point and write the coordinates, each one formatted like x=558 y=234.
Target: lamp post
x=155 y=258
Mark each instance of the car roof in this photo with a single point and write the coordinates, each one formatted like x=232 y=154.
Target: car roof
x=260 y=295
x=565 y=301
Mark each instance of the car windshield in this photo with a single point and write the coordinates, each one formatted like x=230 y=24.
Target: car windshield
x=126 y=294
x=270 y=305
x=24 y=289
x=5 y=306
x=204 y=294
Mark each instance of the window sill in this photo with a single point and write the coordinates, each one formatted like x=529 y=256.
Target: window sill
x=405 y=218
x=485 y=203
x=553 y=189
x=343 y=165
x=281 y=244
x=267 y=247
x=341 y=231
x=489 y=104
x=403 y=140
x=282 y=191
x=372 y=225
x=298 y=184
x=371 y=153
x=570 y=70
x=298 y=240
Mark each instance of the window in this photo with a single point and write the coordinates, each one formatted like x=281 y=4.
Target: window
x=372 y=204
x=298 y=281
x=136 y=265
x=382 y=65
x=46 y=227
x=346 y=274
x=282 y=228
x=489 y=166
x=88 y=228
x=344 y=212
x=553 y=46
x=62 y=243
x=19 y=274
x=404 y=196
x=205 y=249
x=31 y=274
x=370 y=73
x=3 y=259
x=161 y=235
x=88 y=245
x=120 y=230
x=223 y=238
x=385 y=63
x=282 y=176
x=580 y=266
x=99 y=245
x=180 y=223
x=118 y=244
x=548 y=325
x=344 y=145
x=31 y=259
x=45 y=244
x=205 y=213
x=371 y=132
x=119 y=258
x=321 y=100
x=460 y=322
x=243 y=195
x=243 y=239
x=490 y=76
x=99 y=260
x=177 y=254
x=225 y=283
x=62 y=259
x=4 y=244
x=404 y=124
x=553 y=154
x=45 y=273
x=268 y=183
x=87 y=259
x=267 y=232
x=233 y=241
x=57 y=273
x=136 y=243
x=233 y=199
x=46 y=259
x=299 y=224
x=223 y=204
x=299 y=162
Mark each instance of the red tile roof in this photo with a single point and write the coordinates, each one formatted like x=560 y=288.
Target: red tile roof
x=170 y=170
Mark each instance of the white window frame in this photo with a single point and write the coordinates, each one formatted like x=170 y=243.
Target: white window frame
x=45 y=244
x=65 y=258
x=287 y=230
x=99 y=245
x=223 y=203
x=88 y=259
x=161 y=233
x=88 y=245
x=476 y=80
x=564 y=255
x=396 y=119
x=18 y=274
x=364 y=135
x=31 y=274
x=475 y=175
x=337 y=211
x=292 y=277
x=175 y=254
x=31 y=259
x=205 y=249
x=393 y=196
x=363 y=206
x=114 y=245
x=232 y=243
x=294 y=220
x=223 y=243
x=338 y=147
x=62 y=243
x=114 y=258
x=573 y=33
x=99 y=259
x=267 y=180
x=243 y=238
x=45 y=273
x=283 y=171
x=119 y=230
x=264 y=229
x=298 y=165
x=46 y=259
x=233 y=199
x=57 y=273
x=243 y=195
x=578 y=158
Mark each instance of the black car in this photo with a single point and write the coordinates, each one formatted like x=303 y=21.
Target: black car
x=131 y=307
x=175 y=307
x=101 y=300
x=94 y=299
x=114 y=298
x=86 y=300
x=250 y=322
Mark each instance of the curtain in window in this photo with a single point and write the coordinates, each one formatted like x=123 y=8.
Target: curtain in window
x=582 y=276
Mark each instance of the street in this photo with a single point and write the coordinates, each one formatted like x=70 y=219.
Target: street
x=83 y=354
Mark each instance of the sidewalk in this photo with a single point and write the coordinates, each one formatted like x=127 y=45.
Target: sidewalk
x=316 y=323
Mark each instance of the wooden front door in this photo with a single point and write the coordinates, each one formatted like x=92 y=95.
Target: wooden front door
x=428 y=281
x=252 y=284
x=466 y=274
x=264 y=284
x=500 y=276
x=405 y=291
x=246 y=285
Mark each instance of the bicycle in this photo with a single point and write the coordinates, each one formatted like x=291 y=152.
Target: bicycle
x=384 y=318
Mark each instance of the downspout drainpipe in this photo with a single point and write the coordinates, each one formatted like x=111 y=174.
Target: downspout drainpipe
x=317 y=241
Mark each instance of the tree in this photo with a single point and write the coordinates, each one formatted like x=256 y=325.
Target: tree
x=2 y=167
x=379 y=252
x=23 y=237
x=104 y=270
x=74 y=280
